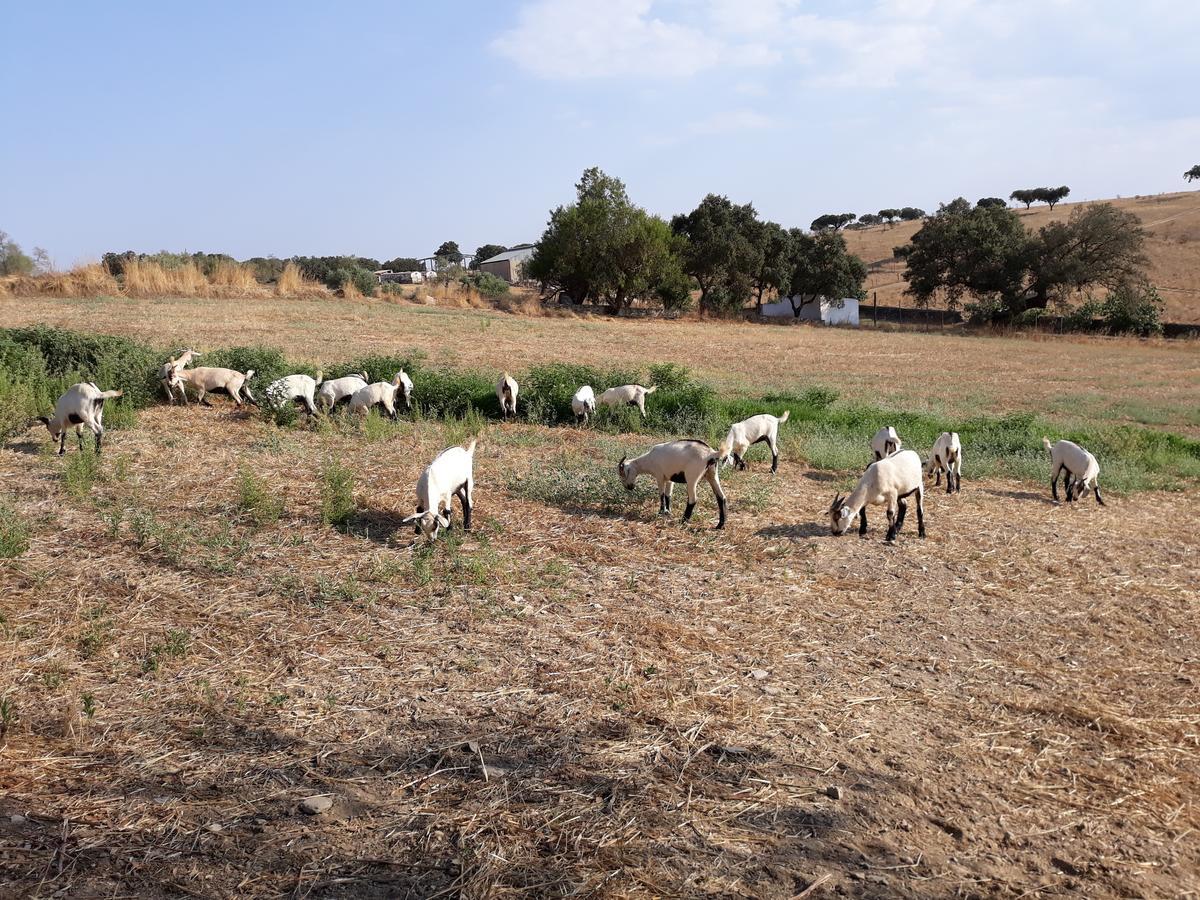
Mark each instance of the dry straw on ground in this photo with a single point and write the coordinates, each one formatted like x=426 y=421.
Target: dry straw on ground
x=582 y=699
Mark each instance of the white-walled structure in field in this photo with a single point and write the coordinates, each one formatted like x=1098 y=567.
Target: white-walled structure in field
x=826 y=311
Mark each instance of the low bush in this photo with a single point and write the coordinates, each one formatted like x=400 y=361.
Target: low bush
x=337 y=494
x=14 y=531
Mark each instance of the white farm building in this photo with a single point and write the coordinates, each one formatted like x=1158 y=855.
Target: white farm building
x=823 y=310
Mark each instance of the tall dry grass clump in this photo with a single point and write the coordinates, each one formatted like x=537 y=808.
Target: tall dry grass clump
x=236 y=278
x=143 y=278
x=292 y=283
x=86 y=280
x=350 y=290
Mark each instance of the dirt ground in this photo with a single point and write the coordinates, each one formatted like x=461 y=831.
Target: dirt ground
x=581 y=697
x=1076 y=380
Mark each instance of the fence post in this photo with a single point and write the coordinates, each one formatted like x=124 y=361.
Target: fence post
x=876 y=312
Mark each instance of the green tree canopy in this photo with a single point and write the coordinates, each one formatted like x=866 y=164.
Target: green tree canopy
x=911 y=213
x=889 y=215
x=403 y=264
x=722 y=251
x=1192 y=174
x=990 y=201
x=870 y=219
x=832 y=220
x=1026 y=196
x=13 y=260
x=603 y=248
x=449 y=251
x=822 y=267
x=487 y=251
x=774 y=260
x=986 y=252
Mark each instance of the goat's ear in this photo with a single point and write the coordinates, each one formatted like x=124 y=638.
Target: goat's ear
x=621 y=464
x=408 y=520
x=44 y=420
x=443 y=520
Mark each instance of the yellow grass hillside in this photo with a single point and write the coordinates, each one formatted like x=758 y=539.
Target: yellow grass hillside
x=1172 y=220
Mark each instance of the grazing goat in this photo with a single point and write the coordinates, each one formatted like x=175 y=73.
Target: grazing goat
x=506 y=392
x=886 y=442
x=334 y=391
x=743 y=435
x=383 y=392
x=627 y=395
x=1078 y=467
x=583 y=403
x=209 y=378
x=291 y=388
x=947 y=456
x=450 y=475
x=82 y=404
x=167 y=372
x=676 y=462
x=887 y=482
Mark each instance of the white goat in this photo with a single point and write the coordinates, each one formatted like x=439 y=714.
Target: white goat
x=168 y=369
x=82 y=404
x=1078 y=467
x=211 y=378
x=291 y=388
x=450 y=475
x=334 y=391
x=672 y=463
x=743 y=435
x=886 y=442
x=627 y=395
x=887 y=482
x=946 y=456
x=583 y=404
x=383 y=392
x=506 y=393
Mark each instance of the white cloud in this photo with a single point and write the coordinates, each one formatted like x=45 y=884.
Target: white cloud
x=735 y=120
x=618 y=38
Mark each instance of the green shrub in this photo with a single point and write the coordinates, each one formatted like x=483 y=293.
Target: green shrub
x=81 y=470
x=256 y=498
x=337 y=494
x=1133 y=310
x=14 y=532
x=486 y=283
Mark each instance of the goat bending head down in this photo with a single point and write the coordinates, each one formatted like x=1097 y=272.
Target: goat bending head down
x=80 y=405
x=168 y=370
x=887 y=482
x=1079 y=469
x=627 y=395
x=886 y=442
x=760 y=429
x=450 y=475
x=676 y=462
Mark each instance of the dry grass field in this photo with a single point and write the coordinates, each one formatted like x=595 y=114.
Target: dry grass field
x=1079 y=379
x=579 y=697
x=1172 y=220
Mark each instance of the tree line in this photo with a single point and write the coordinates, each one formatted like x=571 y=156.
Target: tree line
x=605 y=249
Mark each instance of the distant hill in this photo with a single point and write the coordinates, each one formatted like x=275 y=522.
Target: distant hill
x=1173 y=221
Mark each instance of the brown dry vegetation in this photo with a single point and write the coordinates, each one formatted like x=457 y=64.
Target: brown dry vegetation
x=1075 y=379
x=579 y=697
x=1172 y=220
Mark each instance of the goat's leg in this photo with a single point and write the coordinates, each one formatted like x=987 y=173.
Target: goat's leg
x=891 y=517
x=902 y=511
x=862 y=522
x=714 y=481
x=1054 y=483
x=62 y=442
x=691 y=500
x=921 y=513
x=1096 y=491
x=774 y=456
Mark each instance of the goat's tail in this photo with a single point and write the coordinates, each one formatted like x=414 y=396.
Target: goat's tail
x=471 y=447
x=111 y=395
x=1046 y=444
x=784 y=417
x=652 y=389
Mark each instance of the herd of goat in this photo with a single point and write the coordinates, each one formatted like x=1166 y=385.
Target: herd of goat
x=895 y=476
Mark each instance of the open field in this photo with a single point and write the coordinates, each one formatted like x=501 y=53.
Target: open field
x=1078 y=380
x=579 y=697
x=1173 y=246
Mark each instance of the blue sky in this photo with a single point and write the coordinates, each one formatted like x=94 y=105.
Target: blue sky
x=386 y=128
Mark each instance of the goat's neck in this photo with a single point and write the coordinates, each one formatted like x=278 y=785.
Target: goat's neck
x=857 y=498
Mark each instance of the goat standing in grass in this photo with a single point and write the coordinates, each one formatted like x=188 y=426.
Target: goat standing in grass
x=583 y=403
x=887 y=482
x=335 y=390
x=761 y=429
x=82 y=404
x=211 y=378
x=168 y=370
x=627 y=395
x=506 y=393
x=291 y=388
x=450 y=475
x=672 y=463
x=947 y=456
x=886 y=442
x=1078 y=467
